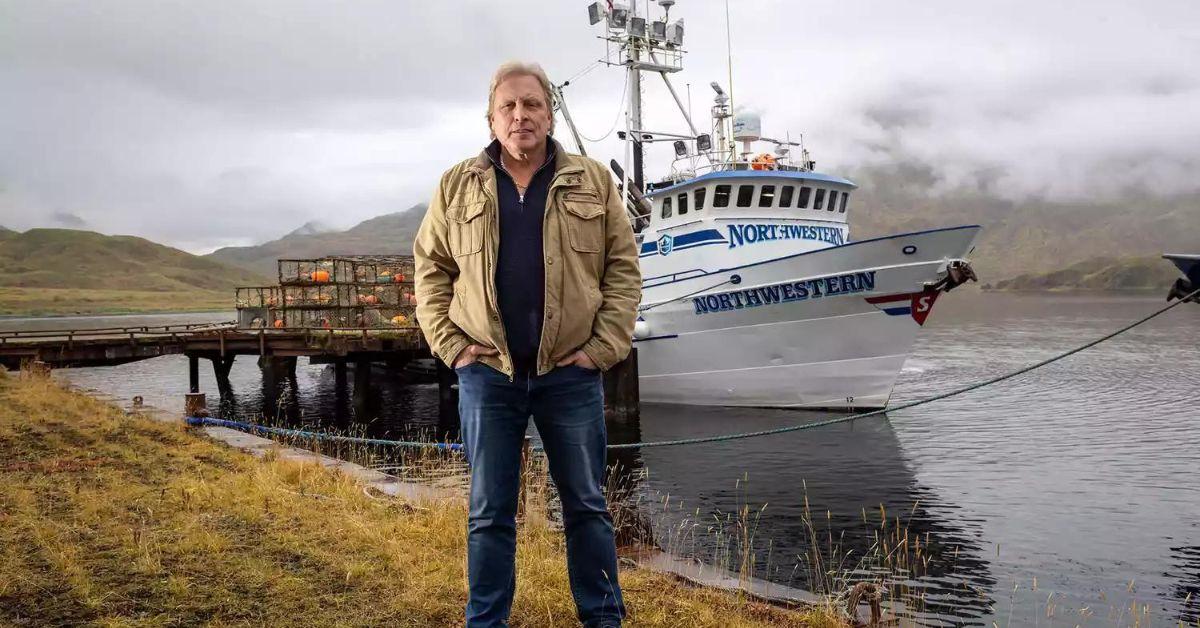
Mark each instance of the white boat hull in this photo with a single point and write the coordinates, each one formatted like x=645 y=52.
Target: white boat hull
x=835 y=337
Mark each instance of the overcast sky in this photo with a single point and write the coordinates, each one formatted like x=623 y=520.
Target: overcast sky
x=202 y=124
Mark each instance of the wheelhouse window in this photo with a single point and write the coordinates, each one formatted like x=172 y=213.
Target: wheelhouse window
x=819 y=202
x=785 y=196
x=745 y=194
x=766 y=198
x=805 y=194
x=721 y=196
x=700 y=193
x=845 y=199
x=683 y=203
x=833 y=199
x=666 y=208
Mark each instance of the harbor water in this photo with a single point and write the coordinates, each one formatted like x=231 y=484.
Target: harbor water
x=1068 y=495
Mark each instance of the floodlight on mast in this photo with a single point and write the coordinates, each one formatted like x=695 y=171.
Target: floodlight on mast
x=596 y=13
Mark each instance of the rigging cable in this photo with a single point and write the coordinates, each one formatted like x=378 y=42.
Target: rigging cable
x=620 y=108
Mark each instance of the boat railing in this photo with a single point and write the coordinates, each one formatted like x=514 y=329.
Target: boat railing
x=691 y=170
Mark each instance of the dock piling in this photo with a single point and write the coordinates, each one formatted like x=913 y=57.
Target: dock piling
x=447 y=395
x=194 y=404
x=193 y=373
x=362 y=388
x=339 y=376
x=621 y=393
x=222 y=364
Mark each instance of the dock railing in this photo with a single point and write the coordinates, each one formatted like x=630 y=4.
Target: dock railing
x=132 y=331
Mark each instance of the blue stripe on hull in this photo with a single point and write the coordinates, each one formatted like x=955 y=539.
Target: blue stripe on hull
x=704 y=273
x=687 y=240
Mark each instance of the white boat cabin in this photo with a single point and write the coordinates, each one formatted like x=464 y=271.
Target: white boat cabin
x=779 y=212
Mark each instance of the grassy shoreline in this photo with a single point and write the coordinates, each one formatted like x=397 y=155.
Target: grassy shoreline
x=118 y=520
x=80 y=302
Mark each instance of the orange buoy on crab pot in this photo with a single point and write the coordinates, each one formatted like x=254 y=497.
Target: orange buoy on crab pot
x=320 y=276
x=278 y=323
x=398 y=278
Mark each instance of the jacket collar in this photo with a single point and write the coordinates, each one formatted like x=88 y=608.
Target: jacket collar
x=564 y=162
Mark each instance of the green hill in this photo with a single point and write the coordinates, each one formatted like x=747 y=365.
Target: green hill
x=1027 y=238
x=1100 y=273
x=66 y=258
x=1031 y=236
x=57 y=271
x=389 y=234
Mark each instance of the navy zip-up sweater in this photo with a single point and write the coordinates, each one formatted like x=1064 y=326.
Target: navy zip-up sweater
x=520 y=276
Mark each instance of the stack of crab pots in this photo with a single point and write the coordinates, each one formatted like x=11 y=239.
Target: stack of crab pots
x=342 y=292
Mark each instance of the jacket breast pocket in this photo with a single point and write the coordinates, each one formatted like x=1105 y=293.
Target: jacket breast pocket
x=464 y=228
x=585 y=222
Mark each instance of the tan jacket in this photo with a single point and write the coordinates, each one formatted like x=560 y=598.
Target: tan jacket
x=593 y=282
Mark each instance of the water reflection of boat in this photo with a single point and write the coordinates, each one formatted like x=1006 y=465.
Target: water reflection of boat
x=843 y=473
x=1186 y=572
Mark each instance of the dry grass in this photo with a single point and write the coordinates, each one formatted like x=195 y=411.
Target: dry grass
x=116 y=521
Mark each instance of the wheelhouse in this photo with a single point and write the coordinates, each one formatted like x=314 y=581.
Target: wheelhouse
x=776 y=195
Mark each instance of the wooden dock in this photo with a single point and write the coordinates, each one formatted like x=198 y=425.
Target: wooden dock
x=276 y=350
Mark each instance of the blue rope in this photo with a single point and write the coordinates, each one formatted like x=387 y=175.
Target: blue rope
x=251 y=427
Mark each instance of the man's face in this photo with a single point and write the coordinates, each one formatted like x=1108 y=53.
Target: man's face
x=521 y=117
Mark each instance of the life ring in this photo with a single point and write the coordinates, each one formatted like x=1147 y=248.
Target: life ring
x=764 y=161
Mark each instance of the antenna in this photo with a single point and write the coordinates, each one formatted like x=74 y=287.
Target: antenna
x=729 y=62
x=689 y=92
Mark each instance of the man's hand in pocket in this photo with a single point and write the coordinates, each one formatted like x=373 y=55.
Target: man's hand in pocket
x=471 y=353
x=578 y=358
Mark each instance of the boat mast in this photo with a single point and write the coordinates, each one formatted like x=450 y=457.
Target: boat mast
x=638 y=42
x=633 y=112
x=561 y=102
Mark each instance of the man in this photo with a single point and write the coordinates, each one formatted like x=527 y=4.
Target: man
x=528 y=285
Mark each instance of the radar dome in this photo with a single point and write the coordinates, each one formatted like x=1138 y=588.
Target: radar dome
x=747 y=126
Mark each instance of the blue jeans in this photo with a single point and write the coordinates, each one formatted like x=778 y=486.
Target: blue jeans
x=567 y=405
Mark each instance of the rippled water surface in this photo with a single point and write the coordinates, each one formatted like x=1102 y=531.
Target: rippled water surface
x=1071 y=492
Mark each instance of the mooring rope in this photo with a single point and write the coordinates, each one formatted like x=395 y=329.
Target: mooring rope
x=710 y=439
x=905 y=406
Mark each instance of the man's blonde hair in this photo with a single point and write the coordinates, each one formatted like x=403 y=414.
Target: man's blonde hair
x=510 y=69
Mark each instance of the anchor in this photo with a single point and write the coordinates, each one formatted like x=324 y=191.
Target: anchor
x=1181 y=289
x=957 y=273
x=1189 y=265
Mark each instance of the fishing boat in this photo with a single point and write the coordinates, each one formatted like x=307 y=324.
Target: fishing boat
x=755 y=293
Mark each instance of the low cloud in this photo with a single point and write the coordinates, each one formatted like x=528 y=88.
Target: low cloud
x=202 y=124
x=70 y=221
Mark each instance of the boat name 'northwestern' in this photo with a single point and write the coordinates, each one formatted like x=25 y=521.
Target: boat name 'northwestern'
x=785 y=292
x=741 y=235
